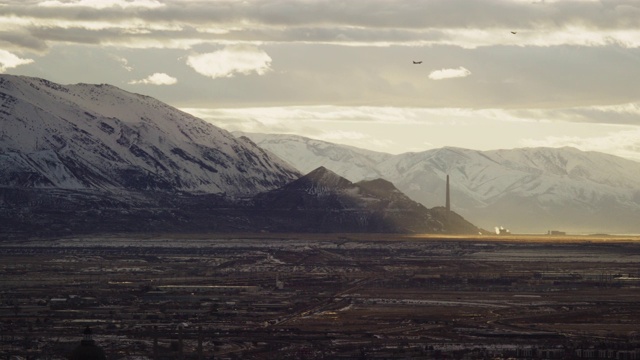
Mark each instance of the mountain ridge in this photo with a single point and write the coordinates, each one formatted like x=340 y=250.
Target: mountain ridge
x=80 y=159
x=525 y=189
x=102 y=137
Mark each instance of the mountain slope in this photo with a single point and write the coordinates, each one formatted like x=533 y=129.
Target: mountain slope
x=94 y=158
x=323 y=201
x=532 y=189
x=527 y=190
x=308 y=154
x=103 y=138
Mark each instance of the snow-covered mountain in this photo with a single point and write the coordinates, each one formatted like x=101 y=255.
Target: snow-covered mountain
x=306 y=154
x=94 y=158
x=526 y=190
x=100 y=137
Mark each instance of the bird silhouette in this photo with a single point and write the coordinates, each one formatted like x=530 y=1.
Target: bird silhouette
x=417 y=62
x=513 y=32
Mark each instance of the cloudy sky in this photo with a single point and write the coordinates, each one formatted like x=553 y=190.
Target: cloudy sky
x=343 y=70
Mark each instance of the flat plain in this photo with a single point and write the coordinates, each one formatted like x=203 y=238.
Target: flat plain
x=329 y=296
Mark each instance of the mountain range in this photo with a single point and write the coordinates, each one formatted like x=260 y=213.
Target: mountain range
x=87 y=157
x=525 y=189
x=94 y=158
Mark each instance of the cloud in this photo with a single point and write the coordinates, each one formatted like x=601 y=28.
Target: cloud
x=354 y=138
x=232 y=60
x=341 y=135
x=464 y=23
x=9 y=60
x=620 y=114
x=449 y=73
x=156 y=79
x=103 y=4
x=624 y=143
x=320 y=114
x=397 y=130
x=122 y=61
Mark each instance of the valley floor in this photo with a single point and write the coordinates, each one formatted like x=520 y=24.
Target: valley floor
x=322 y=296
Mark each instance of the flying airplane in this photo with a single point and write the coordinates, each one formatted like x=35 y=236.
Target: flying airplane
x=417 y=62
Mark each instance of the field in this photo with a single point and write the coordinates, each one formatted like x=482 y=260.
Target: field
x=265 y=296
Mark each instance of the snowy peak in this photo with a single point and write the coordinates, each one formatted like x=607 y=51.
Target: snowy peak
x=594 y=167
x=101 y=137
x=307 y=154
x=527 y=189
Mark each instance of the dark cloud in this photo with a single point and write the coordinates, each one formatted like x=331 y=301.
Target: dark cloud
x=310 y=64
x=372 y=20
x=371 y=13
x=23 y=41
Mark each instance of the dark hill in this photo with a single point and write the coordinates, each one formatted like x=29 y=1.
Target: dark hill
x=323 y=201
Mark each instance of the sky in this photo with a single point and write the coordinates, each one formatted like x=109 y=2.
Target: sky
x=492 y=74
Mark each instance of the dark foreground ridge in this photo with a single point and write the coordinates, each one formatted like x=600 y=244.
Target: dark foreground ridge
x=318 y=202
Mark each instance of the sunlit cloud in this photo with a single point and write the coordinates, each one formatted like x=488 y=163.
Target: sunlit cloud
x=230 y=61
x=622 y=114
x=381 y=128
x=123 y=62
x=341 y=135
x=356 y=115
x=315 y=114
x=156 y=79
x=624 y=143
x=9 y=60
x=449 y=73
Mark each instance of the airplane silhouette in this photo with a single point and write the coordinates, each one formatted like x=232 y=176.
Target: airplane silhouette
x=417 y=62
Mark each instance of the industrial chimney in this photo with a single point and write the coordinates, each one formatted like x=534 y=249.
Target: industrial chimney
x=448 y=202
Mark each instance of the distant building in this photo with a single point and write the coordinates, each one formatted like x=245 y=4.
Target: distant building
x=556 y=232
x=88 y=350
x=502 y=231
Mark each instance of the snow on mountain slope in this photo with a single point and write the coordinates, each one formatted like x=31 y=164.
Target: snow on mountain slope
x=526 y=187
x=551 y=175
x=101 y=137
x=527 y=190
x=307 y=154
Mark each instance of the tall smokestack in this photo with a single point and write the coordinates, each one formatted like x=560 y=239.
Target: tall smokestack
x=448 y=203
